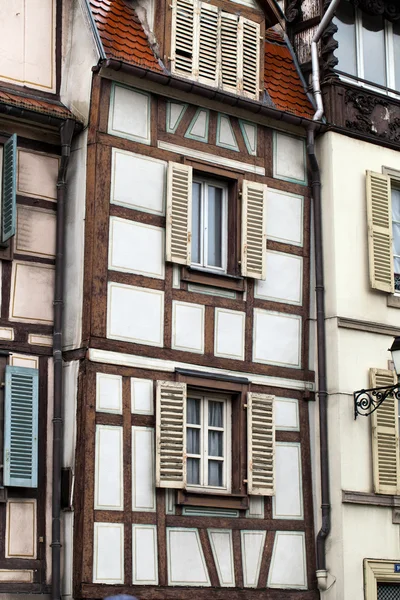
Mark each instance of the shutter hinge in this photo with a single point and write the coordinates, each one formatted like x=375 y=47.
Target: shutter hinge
x=245 y=405
x=245 y=480
x=240 y=194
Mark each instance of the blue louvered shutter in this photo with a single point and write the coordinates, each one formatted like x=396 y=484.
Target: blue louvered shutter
x=9 y=197
x=21 y=427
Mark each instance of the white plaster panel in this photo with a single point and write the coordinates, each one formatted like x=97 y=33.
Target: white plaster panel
x=186 y=563
x=276 y=338
x=289 y=157
x=285 y=217
x=225 y=135
x=36 y=231
x=40 y=340
x=249 y=131
x=136 y=248
x=130 y=114
x=143 y=460
x=138 y=182
x=108 y=553
x=24 y=360
x=222 y=549
x=284 y=279
x=188 y=326
x=288 y=563
x=109 y=484
x=144 y=555
x=287 y=414
x=21 y=529
x=256 y=507
x=229 y=333
x=16 y=576
x=7 y=333
x=109 y=393
x=198 y=128
x=135 y=314
x=252 y=551
x=32 y=292
x=174 y=114
x=37 y=175
x=142 y=396
x=288 y=499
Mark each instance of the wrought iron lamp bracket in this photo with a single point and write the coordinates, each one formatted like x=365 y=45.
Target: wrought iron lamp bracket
x=367 y=401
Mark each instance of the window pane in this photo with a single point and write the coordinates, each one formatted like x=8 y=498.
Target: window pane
x=196 y=222
x=215 y=473
x=215 y=443
x=396 y=44
x=396 y=240
x=374 y=49
x=193 y=441
x=193 y=411
x=346 y=37
x=193 y=471
x=396 y=205
x=215 y=414
x=214 y=258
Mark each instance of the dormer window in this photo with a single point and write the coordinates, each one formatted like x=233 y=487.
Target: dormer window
x=216 y=47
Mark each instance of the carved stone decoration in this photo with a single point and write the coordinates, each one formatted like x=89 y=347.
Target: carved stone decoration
x=389 y=9
x=293 y=11
x=372 y=115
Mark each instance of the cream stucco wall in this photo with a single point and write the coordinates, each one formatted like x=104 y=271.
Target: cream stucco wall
x=358 y=531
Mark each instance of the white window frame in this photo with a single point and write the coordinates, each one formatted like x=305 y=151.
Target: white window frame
x=394 y=177
x=378 y=571
x=389 y=59
x=204 y=183
x=227 y=446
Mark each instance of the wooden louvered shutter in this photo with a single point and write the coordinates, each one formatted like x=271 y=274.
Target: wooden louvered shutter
x=260 y=444
x=179 y=213
x=229 y=51
x=183 y=36
x=208 y=38
x=21 y=427
x=9 y=197
x=254 y=237
x=171 y=434
x=385 y=437
x=251 y=58
x=379 y=212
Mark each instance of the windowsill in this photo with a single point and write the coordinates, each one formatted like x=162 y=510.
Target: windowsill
x=371 y=499
x=202 y=276
x=234 y=501
x=393 y=300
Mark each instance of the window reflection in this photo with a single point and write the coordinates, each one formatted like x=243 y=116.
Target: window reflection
x=374 y=49
x=346 y=37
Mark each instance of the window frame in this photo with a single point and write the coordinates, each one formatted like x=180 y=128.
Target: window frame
x=205 y=182
x=394 y=176
x=204 y=428
x=378 y=571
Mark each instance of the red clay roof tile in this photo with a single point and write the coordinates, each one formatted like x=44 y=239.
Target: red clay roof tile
x=48 y=107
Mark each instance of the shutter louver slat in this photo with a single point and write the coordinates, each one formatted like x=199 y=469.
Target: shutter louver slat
x=9 y=197
x=179 y=214
x=251 y=58
x=21 y=427
x=261 y=444
x=379 y=211
x=171 y=435
x=254 y=237
x=385 y=437
x=208 y=40
x=184 y=37
x=229 y=51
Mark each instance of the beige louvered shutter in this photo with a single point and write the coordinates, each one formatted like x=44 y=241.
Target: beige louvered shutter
x=183 y=36
x=250 y=58
x=254 y=237
x=179 y=213
x=385 y=437
x=208 y=38
x=229 y=51
x=171 y=434
x=379 y=212
x=260 y=444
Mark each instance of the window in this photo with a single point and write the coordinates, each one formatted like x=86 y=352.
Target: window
x=216 y=47
x=197 y=223
x=388 y=591
x=208 y=441
x=396 y=236
x=369 y=46
x=382 y=580
x=209 y=225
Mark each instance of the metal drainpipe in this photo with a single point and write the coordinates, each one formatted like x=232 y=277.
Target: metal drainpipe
x=321 y=573
x=66 y=132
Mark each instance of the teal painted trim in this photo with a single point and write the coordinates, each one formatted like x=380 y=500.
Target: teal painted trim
x=9 y=196
x=246 y=139
x=275 y=174
x=198 y=138
x=123 y=134
x=221 y=144
x=209 y=512
x=168 y=116
x=21 y=397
